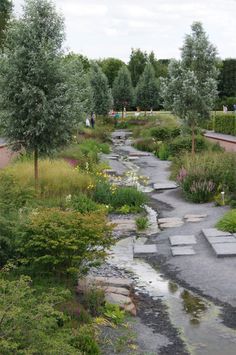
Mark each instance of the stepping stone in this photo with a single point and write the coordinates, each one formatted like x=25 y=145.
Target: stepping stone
x=213 y=232
x=133 y=158
x=182 y=240
x=124 y=225
x=165 y=186
x=169 y=220
x=188 y=216
x=182 y=251
x=227 y=239
x=224 y=249
x=171 y=225
x=194 y=220
x=139 y=154
x=109 y=171
x=141 y=250
x=140 y=241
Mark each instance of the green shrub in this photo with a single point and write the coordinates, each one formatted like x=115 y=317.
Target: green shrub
x=94 y=300
x=85 y=341
x=184 y=143
x=114 y=313
x=203 y=175
x=228 y=222
x=63 y=242
x=117 y=197
x=165 y=133
x=31 y=323
x=147 y=144
x=83 y=204
x=163 y=153
x=56 y=177
x=225 y=123
x=141 y=223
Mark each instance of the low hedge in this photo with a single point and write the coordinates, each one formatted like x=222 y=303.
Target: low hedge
x=225 y=123
x=165 y=133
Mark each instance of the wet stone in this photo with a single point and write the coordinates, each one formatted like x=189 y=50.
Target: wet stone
x=171 y=225
x=213 y=232
x=190 y=216
x=165 y=186
x=141 y=250
x=220 y=239
x=194 y=220
x=224 y=249
x=169 y=220
x=182 y=240
x=182 y=251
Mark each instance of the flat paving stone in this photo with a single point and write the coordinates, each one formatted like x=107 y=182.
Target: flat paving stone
x=165 y=186
x=194 y=220
x=220 y=239
x=140 y=250
x=171 y=225
x=182 y=251
x=169 y=220
x=182 y=240
x=213 y=232
x=187 y=216
x=224 y=249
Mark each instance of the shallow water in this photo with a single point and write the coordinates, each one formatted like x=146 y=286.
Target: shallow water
x=197 y=319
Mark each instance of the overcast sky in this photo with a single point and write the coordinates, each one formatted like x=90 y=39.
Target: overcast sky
x=110 y=28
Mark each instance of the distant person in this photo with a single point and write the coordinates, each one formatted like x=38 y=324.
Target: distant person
x=93 y=120
x=225 y=109
x=87 y=122
x=234 y=106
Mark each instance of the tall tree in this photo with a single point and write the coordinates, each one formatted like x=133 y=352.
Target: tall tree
x=5 y=12
x=35 y=96
x=137 y=62
x=110 y=67
x=147 y=89
x=123 y=90
x=227 y=82
x=191 y=87
x=101 y=93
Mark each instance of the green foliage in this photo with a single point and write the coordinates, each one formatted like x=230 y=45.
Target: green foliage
x=5 y=12
x=114 y=313
x=30 y=322
x=225 y=123
x=101 y=93
x=163 y=152
x=35 y=99
x=184 y=143
x=111 y=67
x=141 y=223
x=58 y=178
x=122 y=89
x=147 y=144
x=203 y=175
x=137 y=63
x=147 y=89
x=83 y=204
x=85 y=341
x=94 y=300
x=63 y=242
x=227 y=82
x=165 y=133
x=228 y=222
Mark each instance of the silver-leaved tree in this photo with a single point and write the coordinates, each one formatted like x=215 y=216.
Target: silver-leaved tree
x=190 y=89
x=35 y=100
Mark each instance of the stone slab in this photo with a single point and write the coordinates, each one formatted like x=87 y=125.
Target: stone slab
x=169 y=220
x=182 y=251
x=194 y=220
x=139 y=154
x=213 y=232
x=119 y=290
x=165 y=186
x=226 y=239
x=141 y=240
x=115 y=298
x=140 y=250
x=92 y=281
x=182 y=240
x=133 y=157
x=224 y=249
x=187 y=216
x=171 y=225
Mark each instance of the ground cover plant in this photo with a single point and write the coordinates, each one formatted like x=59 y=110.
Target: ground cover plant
x=228 y=222
x=205 y=175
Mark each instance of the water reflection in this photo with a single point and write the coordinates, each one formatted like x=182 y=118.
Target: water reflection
x=194 y=306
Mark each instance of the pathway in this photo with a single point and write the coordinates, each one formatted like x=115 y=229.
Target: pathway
x=226 y=141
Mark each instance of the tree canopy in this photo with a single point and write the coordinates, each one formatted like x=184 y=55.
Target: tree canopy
x=110 y=67
x=147 y=89
x=122 y=89
x=137 y=63
x=5 y=12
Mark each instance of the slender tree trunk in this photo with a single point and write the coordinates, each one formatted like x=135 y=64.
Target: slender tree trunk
x=36 y=169
x=122 y=113
x=193 y=138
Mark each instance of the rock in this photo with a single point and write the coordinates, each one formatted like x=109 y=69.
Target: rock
x=130 y=308
x=182 y=251
x=213 y=232
x=140 y=241
x=118 y=299
x=141 y=250
x=119 y=290
x=194 y=220
x=171 y=225
x=165 y=186
x=169 y=220
x=94 y=281
x=124 y=225
x=187 y=216
x=182 y=240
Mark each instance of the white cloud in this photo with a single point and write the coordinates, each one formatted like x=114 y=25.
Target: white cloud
x=111 y=28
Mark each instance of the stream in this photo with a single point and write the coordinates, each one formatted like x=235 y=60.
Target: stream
x=197 y=319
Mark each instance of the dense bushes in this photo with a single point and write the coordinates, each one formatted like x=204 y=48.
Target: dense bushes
x=165 y=133
x=228 y=222
x=148 y=144
x=202 y=176
x=184 y=143
x=225 y=123
x=63 y=242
